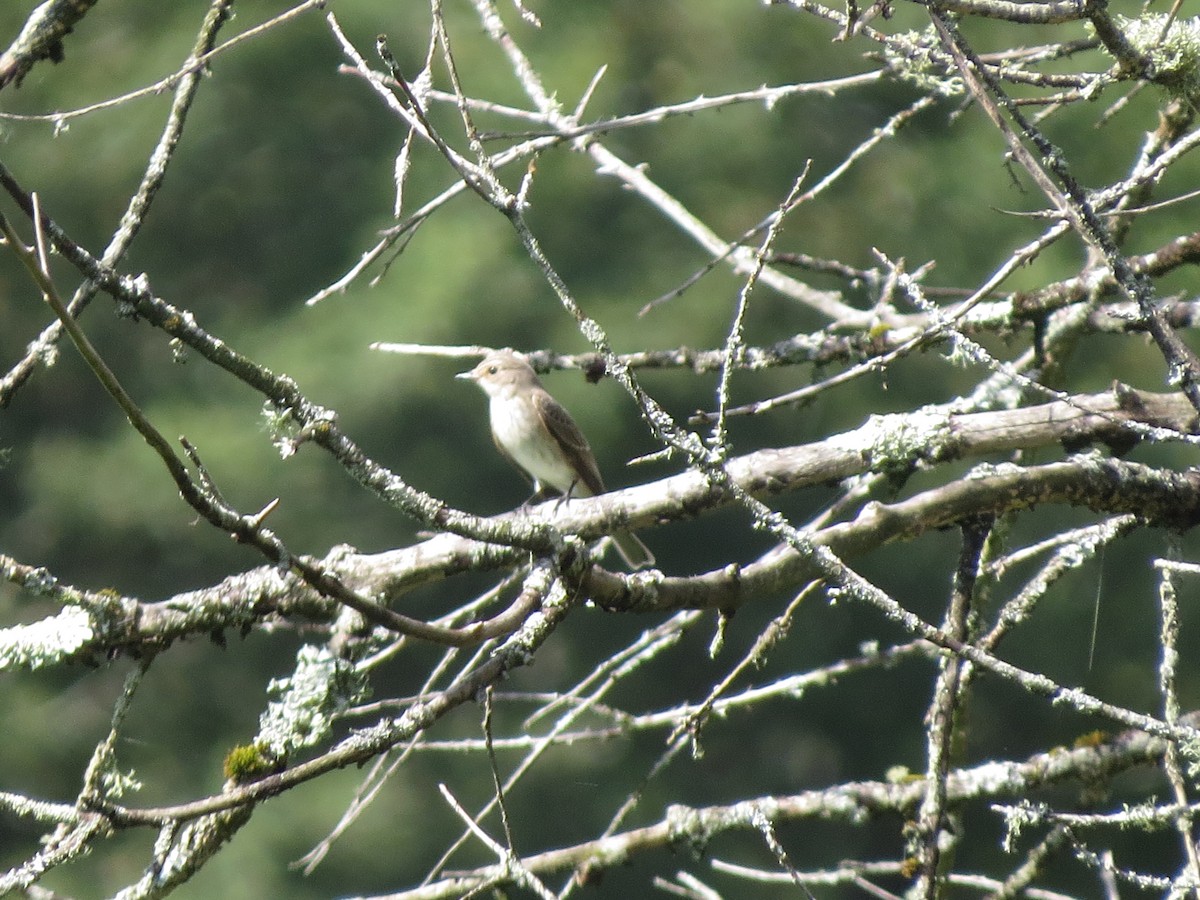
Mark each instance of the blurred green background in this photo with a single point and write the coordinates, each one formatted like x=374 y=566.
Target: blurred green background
x=282 y=180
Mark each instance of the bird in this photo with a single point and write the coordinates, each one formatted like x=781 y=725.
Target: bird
x=536 y=434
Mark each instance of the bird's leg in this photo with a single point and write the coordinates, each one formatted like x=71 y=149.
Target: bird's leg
x=540 y=492
x=566 y=496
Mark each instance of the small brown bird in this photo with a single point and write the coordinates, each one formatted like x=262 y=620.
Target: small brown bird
x=534 y=432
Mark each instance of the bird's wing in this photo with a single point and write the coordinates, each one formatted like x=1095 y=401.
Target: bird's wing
x=564 y=430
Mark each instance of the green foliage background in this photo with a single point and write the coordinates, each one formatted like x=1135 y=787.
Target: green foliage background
x=283 y=178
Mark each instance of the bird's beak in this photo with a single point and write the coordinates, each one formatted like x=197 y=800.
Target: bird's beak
x=467 y=376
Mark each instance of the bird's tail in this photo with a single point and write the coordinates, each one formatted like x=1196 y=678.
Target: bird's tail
x=633 y=552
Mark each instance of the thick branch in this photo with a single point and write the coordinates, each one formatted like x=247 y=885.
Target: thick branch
x=889 y=442
x=1024 y=13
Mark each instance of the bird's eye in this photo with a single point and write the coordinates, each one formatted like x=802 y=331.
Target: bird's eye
x=492 y=370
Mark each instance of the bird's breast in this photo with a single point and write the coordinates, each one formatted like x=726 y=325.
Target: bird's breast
x=519 y=429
